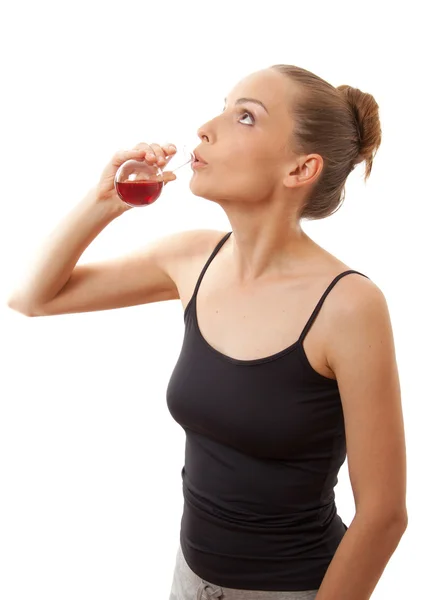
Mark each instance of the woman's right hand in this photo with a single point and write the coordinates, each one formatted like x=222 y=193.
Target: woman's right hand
x=161 y=155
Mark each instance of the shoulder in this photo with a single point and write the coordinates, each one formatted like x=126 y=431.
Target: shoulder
x=191 y=242
x=357 y=312
x=187 y=248
x=352 y=293
x=207 y=239
x=353 y=297
x=199 y=242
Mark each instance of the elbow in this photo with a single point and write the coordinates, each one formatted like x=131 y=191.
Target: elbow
x=403 y=520
x=398 y=524
x=399 y=519
x=395 y=520
x=23 y=310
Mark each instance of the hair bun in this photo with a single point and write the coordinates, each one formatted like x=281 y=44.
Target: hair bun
x=366 y=118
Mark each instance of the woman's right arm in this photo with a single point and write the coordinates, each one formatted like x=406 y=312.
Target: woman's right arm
x=55 y=261
x=55 y=285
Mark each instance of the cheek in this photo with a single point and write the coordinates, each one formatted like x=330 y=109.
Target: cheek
x=237 y=182
x=246 y=162
x=256 y=169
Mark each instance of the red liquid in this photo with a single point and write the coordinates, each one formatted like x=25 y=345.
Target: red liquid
x=138 y=192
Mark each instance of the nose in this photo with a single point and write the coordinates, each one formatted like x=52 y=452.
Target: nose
x=202 y=135
x=202 y=132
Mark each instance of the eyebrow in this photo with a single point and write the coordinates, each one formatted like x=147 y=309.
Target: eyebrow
x=254 y=100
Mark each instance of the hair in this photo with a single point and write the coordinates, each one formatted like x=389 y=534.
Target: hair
x=342 y=125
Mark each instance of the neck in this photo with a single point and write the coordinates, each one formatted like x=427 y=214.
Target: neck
x=267 y=250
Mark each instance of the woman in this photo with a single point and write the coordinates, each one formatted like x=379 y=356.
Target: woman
x=288 y=362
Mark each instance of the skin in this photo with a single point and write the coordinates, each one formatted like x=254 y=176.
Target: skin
x=258 y=180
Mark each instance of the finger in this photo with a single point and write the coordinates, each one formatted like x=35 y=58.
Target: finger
x=164 y=153
x=150 y=155
x=168 y=176
x=122 y=155
x=169 y=149
x=143 y=146
x=160 y=154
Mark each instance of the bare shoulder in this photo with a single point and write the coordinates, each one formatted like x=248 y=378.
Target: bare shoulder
x=350 y=293
x=193 y=241
x=190 y=247
x=350 y=290
x=354 y=299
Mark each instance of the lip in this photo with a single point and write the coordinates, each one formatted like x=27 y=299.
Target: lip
x=198 y=158
x=197 y=164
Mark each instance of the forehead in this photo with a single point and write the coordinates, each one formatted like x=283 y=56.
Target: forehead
x=269 y=86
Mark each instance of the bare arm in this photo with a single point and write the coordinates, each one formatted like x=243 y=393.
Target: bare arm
x=57 y=285
x=60 y=252
x=143 y=276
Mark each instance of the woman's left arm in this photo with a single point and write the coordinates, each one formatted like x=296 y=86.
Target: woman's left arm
x=361 y=353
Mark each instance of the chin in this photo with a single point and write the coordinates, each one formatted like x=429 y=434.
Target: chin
x=197 y=187
x=202 y=191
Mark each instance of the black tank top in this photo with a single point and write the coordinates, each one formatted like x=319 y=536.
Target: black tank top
x=265 y=440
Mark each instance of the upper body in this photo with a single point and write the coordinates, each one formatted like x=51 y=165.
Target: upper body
x=254 y=301
x=265 y=434
x=282 y=158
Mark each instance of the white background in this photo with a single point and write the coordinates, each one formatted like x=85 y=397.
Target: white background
x=90 y=458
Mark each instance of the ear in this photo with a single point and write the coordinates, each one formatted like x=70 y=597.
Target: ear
x=306 y=171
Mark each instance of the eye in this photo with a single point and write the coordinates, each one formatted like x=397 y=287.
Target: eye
x=244 y=112
x=249 y=114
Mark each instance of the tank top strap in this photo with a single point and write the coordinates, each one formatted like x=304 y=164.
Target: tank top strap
x=210 y=259
x=321 y=302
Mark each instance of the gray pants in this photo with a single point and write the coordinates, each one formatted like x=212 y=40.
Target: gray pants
x=188 y=586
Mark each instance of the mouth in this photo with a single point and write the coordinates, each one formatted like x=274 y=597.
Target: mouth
x=198 y=159
x=196 y=164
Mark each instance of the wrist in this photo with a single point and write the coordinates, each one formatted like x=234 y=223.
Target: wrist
x=106 y=209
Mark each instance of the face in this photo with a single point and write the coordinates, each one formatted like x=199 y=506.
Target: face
x=247 y=146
